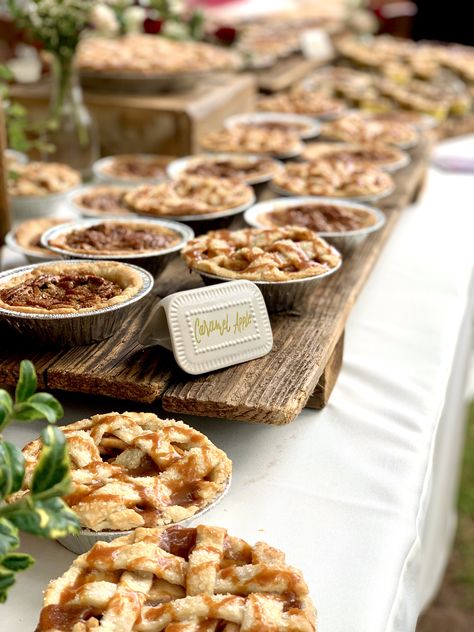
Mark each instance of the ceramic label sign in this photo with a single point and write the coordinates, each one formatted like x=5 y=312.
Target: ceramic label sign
x=212 y=327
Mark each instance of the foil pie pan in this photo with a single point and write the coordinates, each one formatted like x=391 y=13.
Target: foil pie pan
x=70 y=330
x=281 y=296
x=344 y=242
x=86 y=538
x=154 y=261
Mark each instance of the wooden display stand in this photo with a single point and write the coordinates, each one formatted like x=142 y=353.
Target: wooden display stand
x=300 y=371
x=4 y=203
x=167 y=123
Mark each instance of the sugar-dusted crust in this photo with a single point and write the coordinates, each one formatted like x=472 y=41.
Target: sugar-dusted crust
x=190 y=195
x=134 y=469
x=126 y=277
x=370 y=154
x=333 y=178
x=268 y=254
x=139 y=233
x=27 y=234
x=181 y=580
x=41 y=179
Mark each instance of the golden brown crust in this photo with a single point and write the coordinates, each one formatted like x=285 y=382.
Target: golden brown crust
x=254 y=140
x=136 y=166
x=174 y=578
x=127 y=278
x=134 y=469
x=41 y=179
x=243 y=167
x=320 y=217
x=28 y=234
x=359 y=128
x=190 y=195
x=303 y=102
x=275 y=254
x=107 y=199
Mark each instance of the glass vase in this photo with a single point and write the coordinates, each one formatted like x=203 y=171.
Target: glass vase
x=71 y=133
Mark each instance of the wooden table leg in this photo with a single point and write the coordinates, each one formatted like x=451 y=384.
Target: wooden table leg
x=323 y=390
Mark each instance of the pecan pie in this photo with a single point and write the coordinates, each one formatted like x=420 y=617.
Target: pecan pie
x=269 y=254
x=249 y=168
x=333 y=178
x=134 y=469
x=102 y=200
x=190 y=195
x=358 y=128
x=69 y=288
x=253 y=139
x=302 y=102
x=28 y=234
x=134 y=167
x=117 y=238
x=176 y=580
x=378 y=155
x=320 y=217
x=145 y=54
x=41 y=178
x=272 y=125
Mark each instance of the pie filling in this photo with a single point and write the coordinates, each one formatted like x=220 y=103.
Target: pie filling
x=230 y=169
x=109 y=201
x=200 y=578
x=322 y=218
x=135 y=168
x=48 y=292
x=120 y=237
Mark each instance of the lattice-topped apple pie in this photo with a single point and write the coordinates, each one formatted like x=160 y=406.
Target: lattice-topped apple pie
x=190 y=195
x=333 y=178
x=134 y=469
x=41 y=178
x=177 y=580
x=271 y=254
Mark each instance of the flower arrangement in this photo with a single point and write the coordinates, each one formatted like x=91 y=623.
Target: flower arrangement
x=41 y=512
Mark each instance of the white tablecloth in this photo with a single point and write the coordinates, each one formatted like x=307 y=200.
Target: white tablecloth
x=361 y=494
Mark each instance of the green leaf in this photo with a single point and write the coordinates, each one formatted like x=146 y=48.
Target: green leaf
x=46 y=399
x=52 y=473
x=50 y=518
x=8 y=537
x=7 y=579
x=27 y=382
x=33 y=411
x=17 y=562
x=6 y=407
x=12 y=469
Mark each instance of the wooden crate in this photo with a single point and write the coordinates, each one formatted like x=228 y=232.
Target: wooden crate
x=300 y=370
x=167 y=123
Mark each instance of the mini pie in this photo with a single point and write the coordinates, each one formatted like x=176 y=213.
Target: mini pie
x=190 y=195
x=134 y=469
x=179 y=580
x=269 y=126
x=41 y=178
x=357 y=128
x=333 y=178
x=135 y=167
x=143 y=54
x=117 y=237
x=103 y=200
x=62 y=288
x=376 y=154
x=28 y=233
x=302 y=102
x=253 y=139
x=268 y=254
x=320 y=217
x=249 y=168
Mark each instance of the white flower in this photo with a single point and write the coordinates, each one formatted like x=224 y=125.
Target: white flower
x=104 y=19
x=133 y=18
x=175 y=30
x=176 y=6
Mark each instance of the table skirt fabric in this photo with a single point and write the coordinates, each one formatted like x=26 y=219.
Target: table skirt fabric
x=361 y=496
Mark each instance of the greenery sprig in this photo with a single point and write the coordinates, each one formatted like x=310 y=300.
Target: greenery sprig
x=40 y=512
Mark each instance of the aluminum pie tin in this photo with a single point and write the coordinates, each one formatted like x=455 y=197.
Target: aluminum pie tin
x=343 y=241
x=70 y=330
x=281 y=296
x=178 y=167
x=355 y=198
x=105 y=178
x=153 y=261
x=32 y=256
x=404 y=160
x=29 y=206
x=86 y=538
x=91 y=213
x=313 y=128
